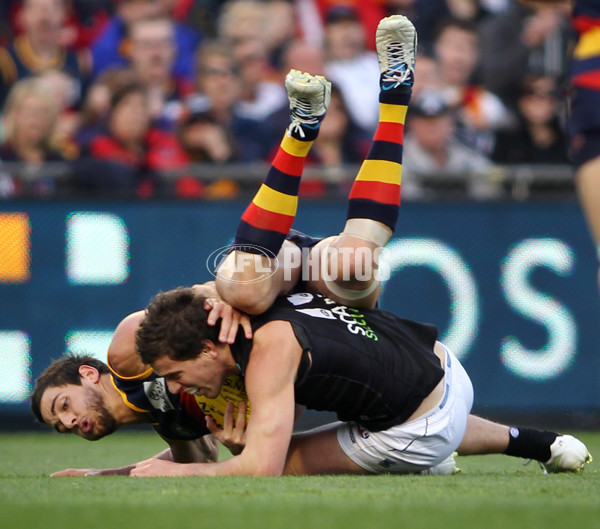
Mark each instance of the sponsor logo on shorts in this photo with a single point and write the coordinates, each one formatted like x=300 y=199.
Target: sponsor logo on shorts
x=363 y=433
x=386 y=463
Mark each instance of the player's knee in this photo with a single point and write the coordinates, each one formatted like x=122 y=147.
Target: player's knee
x=351 y=267
x=252 y=298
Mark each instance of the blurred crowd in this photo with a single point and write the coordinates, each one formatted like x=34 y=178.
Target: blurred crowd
x=135 y=97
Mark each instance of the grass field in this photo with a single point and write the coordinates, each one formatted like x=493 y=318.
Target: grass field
x=491 y=492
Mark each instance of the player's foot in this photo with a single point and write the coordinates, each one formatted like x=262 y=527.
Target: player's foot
x=309 y=97
x=568 y=454
x=446 y=468
x=396 y=41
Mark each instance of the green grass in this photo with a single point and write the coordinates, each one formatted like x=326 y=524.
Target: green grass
x=492 y=492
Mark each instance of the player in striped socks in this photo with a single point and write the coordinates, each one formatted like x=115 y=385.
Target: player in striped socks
x=269 y=258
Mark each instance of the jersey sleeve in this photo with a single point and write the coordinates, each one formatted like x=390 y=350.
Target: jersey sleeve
x=168 y=414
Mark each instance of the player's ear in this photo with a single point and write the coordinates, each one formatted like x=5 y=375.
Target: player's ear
x=89 y=373
x=209 y=348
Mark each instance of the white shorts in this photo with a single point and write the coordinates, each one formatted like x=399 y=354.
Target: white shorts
x=419 y=444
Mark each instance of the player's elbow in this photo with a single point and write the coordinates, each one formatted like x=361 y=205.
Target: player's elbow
x=267 y=470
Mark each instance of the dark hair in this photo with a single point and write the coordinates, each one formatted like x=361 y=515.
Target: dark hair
x=174 y=325
x=468 y=26
x=59 y=373
x=121 y=92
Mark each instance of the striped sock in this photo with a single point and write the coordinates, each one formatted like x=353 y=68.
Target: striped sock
x=270 y=215
x=375 y=193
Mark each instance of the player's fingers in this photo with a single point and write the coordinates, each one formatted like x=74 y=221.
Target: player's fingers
x=246 y=325
x=233 y=329
x=70 y=472
x=240 y=421
x=228 y=420
x=215 y=309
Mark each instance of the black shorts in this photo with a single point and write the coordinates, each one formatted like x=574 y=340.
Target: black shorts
x=301 y=240
x=584 y=147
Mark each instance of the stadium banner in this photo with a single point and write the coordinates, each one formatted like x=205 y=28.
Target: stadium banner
x=511 y=286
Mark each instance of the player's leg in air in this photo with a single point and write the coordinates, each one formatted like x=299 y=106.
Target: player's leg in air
x=252 y=275
x=343 y=266
x=349 y=261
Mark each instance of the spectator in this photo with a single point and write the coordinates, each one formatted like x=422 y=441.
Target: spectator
x=130 y=157
x=425 y=15
x=39 y=49
x=242 y=20
x=152 y=59
x=431 y=149
x=259 y=93
x=539 y=137
x=281 y=29
x=29 y=121
x=427 y=74
x=302 y=56
x=480 y=112
x=86 y=19
x=218 y=94
x=349 y=62
x=113 y=47
x=96 y=105
x=340 y=141
x=524 y=38
x=68 y=118
x=206 y=140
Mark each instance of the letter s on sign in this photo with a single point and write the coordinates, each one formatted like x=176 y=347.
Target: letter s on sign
x=559 y=352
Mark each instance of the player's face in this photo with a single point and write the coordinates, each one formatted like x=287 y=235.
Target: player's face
x=199 y=376
x=77 y=409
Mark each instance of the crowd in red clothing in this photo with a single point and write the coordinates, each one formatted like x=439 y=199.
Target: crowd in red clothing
x=105 y=98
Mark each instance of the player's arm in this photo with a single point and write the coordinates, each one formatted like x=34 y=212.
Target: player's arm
x=202 y=450
x=269 y=379
x=76 y=472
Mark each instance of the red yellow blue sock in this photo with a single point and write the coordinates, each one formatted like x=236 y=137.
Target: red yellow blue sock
x=375 y=193
x=269 y=217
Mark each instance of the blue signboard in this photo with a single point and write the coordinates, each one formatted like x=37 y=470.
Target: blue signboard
x=511 y=286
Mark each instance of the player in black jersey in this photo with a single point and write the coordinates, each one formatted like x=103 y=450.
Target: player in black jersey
x=266 y=225
x=402 y=398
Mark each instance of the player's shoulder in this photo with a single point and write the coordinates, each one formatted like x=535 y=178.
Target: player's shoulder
x=123 y=359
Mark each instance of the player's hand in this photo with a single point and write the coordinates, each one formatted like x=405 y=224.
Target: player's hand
x=76 y=472
x=230 y=318
x=157 y=467
x=233 y=433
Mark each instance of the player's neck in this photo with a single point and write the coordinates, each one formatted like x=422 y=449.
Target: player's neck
x=122 y=413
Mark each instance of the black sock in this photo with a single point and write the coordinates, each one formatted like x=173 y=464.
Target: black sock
x=530 y=443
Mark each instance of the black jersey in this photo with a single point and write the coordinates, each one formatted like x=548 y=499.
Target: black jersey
x=366 y=365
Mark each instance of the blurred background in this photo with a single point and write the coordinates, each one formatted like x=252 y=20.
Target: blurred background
x=134 y=132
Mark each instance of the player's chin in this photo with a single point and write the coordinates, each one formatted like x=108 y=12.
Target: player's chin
x=213 y=393
x=92 y=436
x=95 y=435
